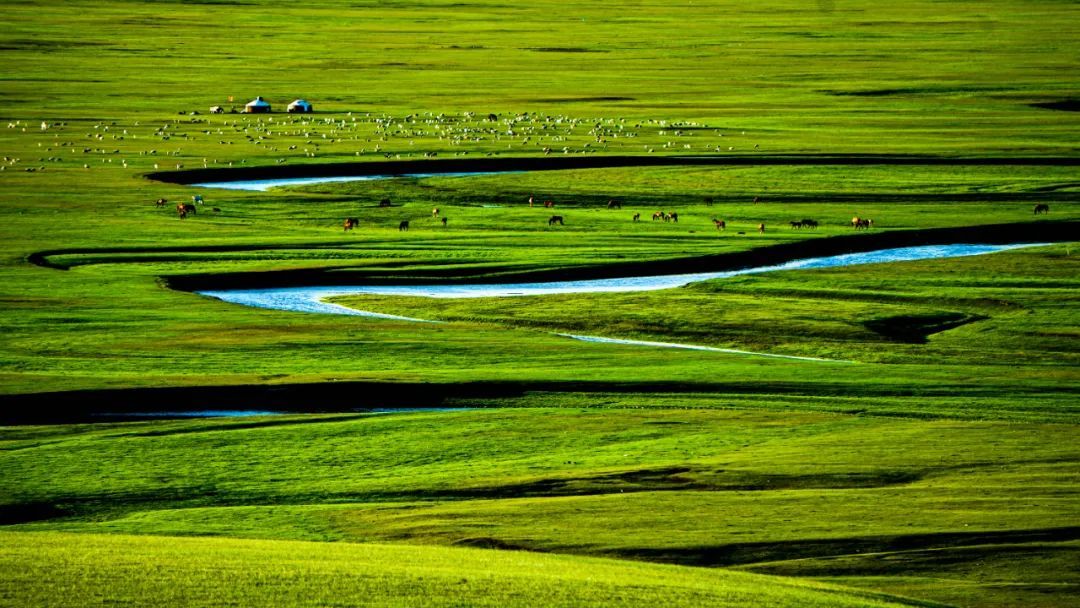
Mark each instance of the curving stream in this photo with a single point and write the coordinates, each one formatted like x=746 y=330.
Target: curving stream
x=312 y=299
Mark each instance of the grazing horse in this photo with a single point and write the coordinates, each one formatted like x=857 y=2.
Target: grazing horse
x=796 y=224
x=444 y=220
x=637 y=216
x=761 y=228
x=1041 y=208
x=384 y=202
x=673 y=217
x=350 y=223
x=863 y=224
x=549 y=204
x=555 y=219
x=435 y=212
x=757 y=199
x=403 y=226
x=659 y=215
x=614 y=204
x=720 y=224
x=807 y=223
x=161 y=202
x=183 y=209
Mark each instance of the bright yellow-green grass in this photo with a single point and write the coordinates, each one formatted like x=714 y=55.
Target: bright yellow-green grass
x=48 y=569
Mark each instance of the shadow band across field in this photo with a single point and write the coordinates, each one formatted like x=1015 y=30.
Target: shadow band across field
x=114 y=405
x=560 y=163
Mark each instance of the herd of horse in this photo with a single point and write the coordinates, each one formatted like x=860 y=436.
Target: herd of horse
x=350 y=223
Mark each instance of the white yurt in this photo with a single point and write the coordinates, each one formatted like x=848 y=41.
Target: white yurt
x=300 y=107
x=257 y=106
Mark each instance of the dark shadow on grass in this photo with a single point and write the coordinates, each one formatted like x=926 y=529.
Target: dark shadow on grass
x=749 y=553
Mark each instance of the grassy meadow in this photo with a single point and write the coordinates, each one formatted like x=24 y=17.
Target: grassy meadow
x=929 y=461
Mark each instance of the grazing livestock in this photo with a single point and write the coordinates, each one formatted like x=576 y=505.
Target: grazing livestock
x=530 y=201
x=183 y=209
x=796 y=224
x=672 y=217
x=161 y=202
x=216 y=210
x=637 y=216
x=444 y=221
x=720 y=224
x=1041 y=208
x=549 y=204
x=761 y=228
x=614 y=204
x=435 y=212
x=809 y=223
x=659 y=215
x=197 y=199
x=863 y=224
x=555 y=219
x=403 y=226
x=350 y=223
x=384 y=202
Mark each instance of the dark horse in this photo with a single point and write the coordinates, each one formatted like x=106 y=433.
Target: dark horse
x=614 y=204
x=555 y=219
x=1042 y=208
x=350 y=223
x=403 y=226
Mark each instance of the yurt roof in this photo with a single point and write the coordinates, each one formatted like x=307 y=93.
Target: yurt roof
x=258 y=101
x=299 y=102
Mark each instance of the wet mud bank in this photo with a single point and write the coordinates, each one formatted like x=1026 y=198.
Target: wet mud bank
x=557 y=163
x=993 y=234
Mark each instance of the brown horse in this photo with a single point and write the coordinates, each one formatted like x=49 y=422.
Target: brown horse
x=614 y=204
x=637 y=216
x=161 y=202
x=761 y=228
x=720 y=224
x=183 y=209
x=549 y=204
x=555 y=219
x=1041 y=208
x=659 y=215
x=350 y=223
x=435 y=212
x=863 y=224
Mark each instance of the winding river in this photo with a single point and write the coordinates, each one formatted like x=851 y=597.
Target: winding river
x=312 y=299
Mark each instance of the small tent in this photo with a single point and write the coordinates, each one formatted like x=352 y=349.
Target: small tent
x=300 y=107
x=260 y=105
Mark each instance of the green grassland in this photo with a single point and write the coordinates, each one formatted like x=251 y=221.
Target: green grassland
x=932 y=462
